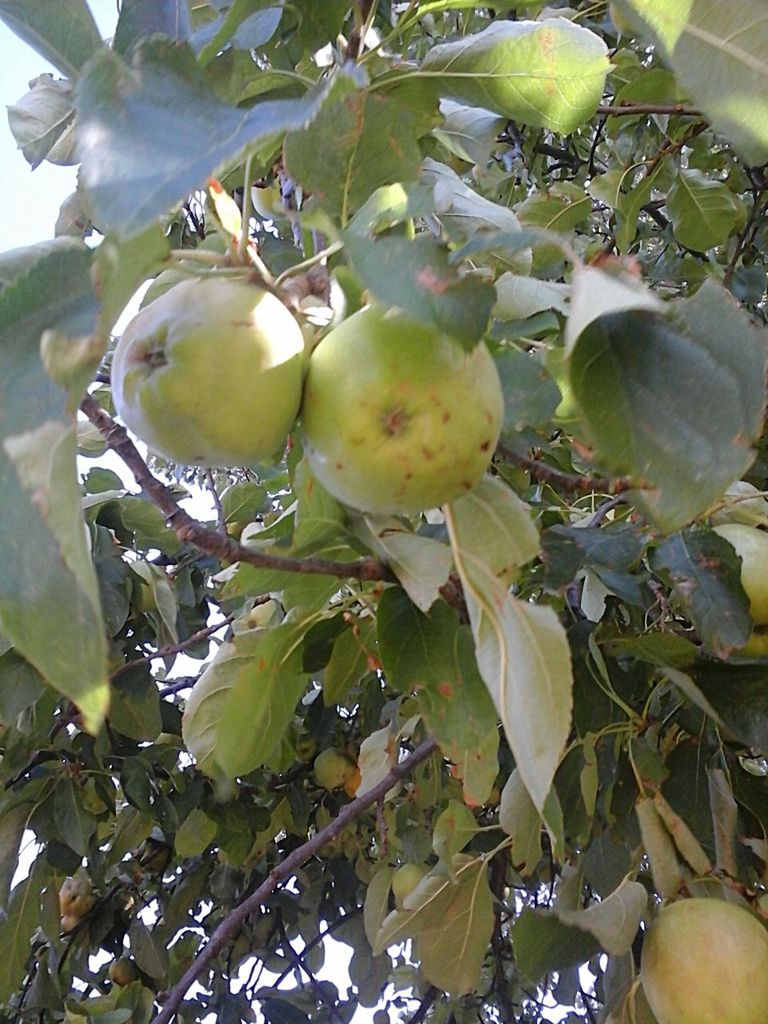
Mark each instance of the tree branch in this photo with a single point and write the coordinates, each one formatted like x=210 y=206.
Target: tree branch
x=190 y=531
x=568 y=482
x=280 y=873
x=166 y=652
x=629 y=109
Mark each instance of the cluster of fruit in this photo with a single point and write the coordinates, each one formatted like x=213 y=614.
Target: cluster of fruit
x=397 y=418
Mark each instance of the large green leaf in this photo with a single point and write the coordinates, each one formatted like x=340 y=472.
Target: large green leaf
x=374 y=143
x=242 y=704
x=451 y=920
x=719 y=52
x=549 y=73
x=704 y=212
x=62 y=31
x=421 y=564
x=673 y=402
x=434 y=655
x=140 y=19
x=16 y=928
x=48 y=588
x=524 y=659
x=159 y=114
x=415 y=276
x=704 y=571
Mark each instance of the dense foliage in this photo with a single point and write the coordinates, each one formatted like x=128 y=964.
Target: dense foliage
x=547 y=700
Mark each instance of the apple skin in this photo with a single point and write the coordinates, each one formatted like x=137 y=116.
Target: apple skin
x=210 y=373
x=397 y=417
x=705 y=961
x=405 y=880
x=332 y=768
x=751 y=545
x=76 y=897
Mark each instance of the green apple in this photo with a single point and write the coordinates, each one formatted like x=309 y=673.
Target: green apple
x=751 y=545
x=76 y=897
x=405 y=880
x=332 y=768
x=123 y=971
x=705 y=961
x=210 y=373
x=397 y=417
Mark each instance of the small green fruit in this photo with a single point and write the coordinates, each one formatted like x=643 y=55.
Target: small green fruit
x=123 y=971
x=332 y=768
x=405 y=880
x=210 y=373
x=75 y=897
x=397 y=417
x=705 y=961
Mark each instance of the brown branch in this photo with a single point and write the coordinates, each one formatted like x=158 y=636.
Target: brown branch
x=190 y=531
x=568 y=482
x=167 y=651
x=628 y=109
x=235 y=918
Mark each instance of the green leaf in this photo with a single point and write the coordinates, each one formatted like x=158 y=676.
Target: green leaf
x=451 y=921
x=468 y=132
x=21 y=686
x=62 y=31
x=48 y=590
x=519 y=297
x=548 y=74
x=705 y=573
x=264 y=681
x=530 y=394
x=75 y=825
x=140 y=19
x=524 y=659
x=421 y=564
x=16 y=930
x=463 y=212
x=376 y=903
x=135 y=707
x=374 y=143
x=196 y=834
x=433 y=654
x=150 y=955
x=615 y=547
x=734 y=697
x=415 y=275
x=718 y=52
x=673 y=403
x=614 y=920
x=159 y=113
x=522 y=823
x=349 y=661
x=13 y=823
x=704 y=212
x=121 y=266
x=453 y=830
x=543 y=943
x=244 y=26
x=500 y=524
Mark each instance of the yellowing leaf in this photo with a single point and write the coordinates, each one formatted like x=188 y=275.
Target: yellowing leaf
x=548 y=74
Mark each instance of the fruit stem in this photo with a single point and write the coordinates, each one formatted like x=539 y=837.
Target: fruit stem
x=297 y=268
x=245 y=229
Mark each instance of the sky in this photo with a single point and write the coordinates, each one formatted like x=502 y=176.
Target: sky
x=30 y=200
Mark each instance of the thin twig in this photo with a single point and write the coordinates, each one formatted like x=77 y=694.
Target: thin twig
x=568 y=482
x=221 y=519
x=235 y=918
x=629 y=109
x=424 y=1006
x=166 y=652
x=190 y=531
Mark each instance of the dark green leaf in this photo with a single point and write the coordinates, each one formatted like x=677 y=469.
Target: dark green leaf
x=530 y=394
x=415 y=276
x=543 y=944
x=140 y=19
x=160 y=113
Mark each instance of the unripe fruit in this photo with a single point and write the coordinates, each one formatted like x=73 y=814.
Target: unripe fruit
x=69 y=922
x=75 y=897
x=123 y=971
x=405 y=880
x=210 y=373
x=751 y=545
x=705 y=961
x=397 y=417
x=332 y=768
